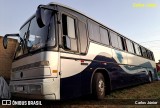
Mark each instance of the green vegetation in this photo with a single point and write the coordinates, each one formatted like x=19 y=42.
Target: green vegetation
x=158 y=73
x=118 y=98
x=144 y=91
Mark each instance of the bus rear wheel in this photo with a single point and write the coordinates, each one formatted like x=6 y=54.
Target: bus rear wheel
x=98 y=86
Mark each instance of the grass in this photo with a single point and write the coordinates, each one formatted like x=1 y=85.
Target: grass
x=158 y=74
x=118 y=98
x=144 y=91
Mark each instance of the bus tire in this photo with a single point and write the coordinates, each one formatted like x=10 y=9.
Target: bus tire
x=150 y=77
x=98 y=86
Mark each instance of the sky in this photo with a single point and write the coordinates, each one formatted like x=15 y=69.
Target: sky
x=138 y=20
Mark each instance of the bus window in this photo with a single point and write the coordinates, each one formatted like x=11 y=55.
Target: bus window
x=152 y=56
x=144 y=53
x=93 y=31
x=68 y=26
x=123 y=43
x=104 y=36
x=149 y=54
x=120 y=43
x=83 y=36
x=134 y=48
x=137 y=49
x=129 y=46
x=69 y=29
x=114 y=39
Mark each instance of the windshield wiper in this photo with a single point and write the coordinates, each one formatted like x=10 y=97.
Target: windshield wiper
x=26 y=41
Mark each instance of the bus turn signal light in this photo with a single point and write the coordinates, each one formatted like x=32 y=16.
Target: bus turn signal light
x=54 y=71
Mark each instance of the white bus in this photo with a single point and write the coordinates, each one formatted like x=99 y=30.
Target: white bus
x=63 y=54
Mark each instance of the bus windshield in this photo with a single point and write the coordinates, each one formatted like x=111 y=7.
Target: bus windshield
x=37 y=37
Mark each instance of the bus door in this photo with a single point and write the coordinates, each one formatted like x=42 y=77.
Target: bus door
x=70 y=68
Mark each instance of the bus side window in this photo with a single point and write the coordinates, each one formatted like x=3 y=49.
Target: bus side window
x=140 y=49
x=144 y=54
x=145 y=51
x=148 y=54
x=137 y=49
x=129 y=46
x=152 y=56
x=120 y=44
x=69 y=29
x=83 y=36
x=134 y=48
x=93 y=29
x=114 y=39
x=104 y=36
x=123 y=44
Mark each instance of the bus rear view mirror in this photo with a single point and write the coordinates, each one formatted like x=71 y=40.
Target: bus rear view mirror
x=5 y=42
x=5 y=39
x=67 y=42
x=43 y=15
x=39 y=17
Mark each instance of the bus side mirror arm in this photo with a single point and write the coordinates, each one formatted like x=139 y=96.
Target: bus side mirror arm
x=5 y=39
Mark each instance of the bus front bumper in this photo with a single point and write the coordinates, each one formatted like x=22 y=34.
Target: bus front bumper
x=36 y=89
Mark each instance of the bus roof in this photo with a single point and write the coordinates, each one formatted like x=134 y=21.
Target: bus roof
x=65 y=6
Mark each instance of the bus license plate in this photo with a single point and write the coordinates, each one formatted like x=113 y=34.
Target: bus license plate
x=19 y=88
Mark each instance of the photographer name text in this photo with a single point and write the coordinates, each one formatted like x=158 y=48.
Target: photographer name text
x=146 y=102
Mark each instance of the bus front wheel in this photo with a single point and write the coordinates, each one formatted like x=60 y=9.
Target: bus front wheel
x=98 y=86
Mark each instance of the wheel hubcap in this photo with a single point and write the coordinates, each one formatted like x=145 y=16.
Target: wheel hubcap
x=150 y=78
x=101 y=87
